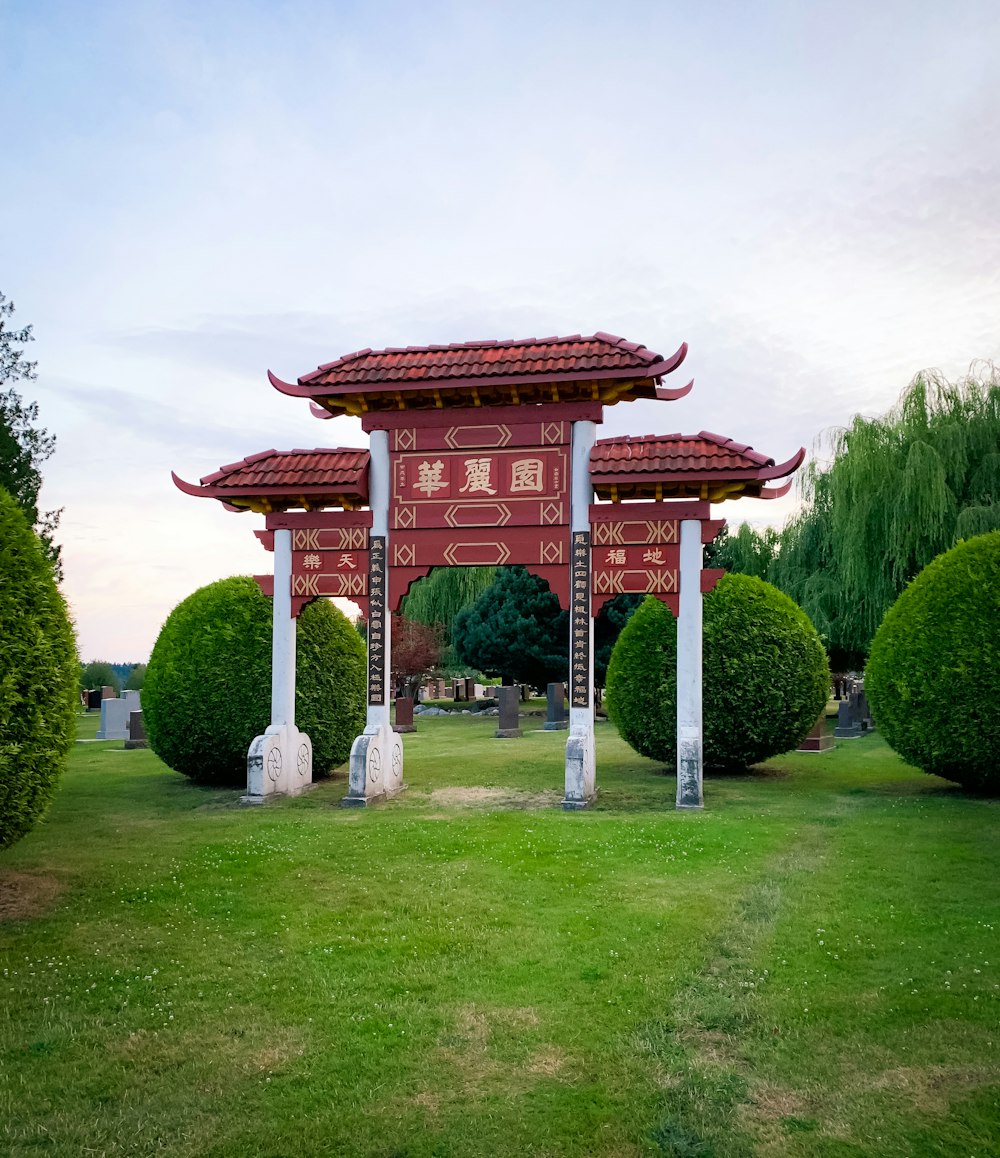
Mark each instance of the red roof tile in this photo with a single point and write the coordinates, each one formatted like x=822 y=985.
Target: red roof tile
x=674 y=453
x=601 y=368
x=331 y=469
x=578 y=355
x=273 y=479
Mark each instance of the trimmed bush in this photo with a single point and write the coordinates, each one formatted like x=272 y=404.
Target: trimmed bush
x=207 y=691
x=39 y=677
x=933 y=675
x=765 y=682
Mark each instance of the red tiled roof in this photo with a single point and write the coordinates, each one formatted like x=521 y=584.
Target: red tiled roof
x=331 y=469
x=703 y=465
x=673 y=453
x=405 y=378
x=490 y=359
x=279 y=479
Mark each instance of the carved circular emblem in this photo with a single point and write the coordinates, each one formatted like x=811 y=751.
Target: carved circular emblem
x=374 y=764
x=303 y=759
x=274 y=763
x=397 y=760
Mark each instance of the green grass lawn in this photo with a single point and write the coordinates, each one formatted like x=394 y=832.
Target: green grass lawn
x=808 y=967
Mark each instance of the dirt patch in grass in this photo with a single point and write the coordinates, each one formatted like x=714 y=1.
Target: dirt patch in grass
x=25 y=895
x=494 y=798
x=248 y=1051
x=547 y=1062
x=772 y=1103
x=932 y=1089
x=469 y=1049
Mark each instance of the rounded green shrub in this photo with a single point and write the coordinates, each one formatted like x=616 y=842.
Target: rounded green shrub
x=765 y=676
x=39 y=676
x=933 y=674
x=207 y=691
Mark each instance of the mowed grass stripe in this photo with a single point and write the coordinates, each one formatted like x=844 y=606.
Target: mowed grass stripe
x=465 y=972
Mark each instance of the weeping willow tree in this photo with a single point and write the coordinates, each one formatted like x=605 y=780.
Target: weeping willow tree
x=745 y=551
x=438 y=598
x=899 y=490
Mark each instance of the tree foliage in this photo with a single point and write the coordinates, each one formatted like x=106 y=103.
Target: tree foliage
x=933 y=676
x=608 y=626
x=898 y=490
x=136 y=677
x=208 y=682
x=765 y=680
x=436 y=599
x=516 y=630
x=38 y=676
x=99 y=673
x=24 y=446
x=745 y=551
x=416 y=651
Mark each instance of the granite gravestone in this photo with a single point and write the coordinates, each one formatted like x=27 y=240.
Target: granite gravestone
x=114 y=720
x=136 y=731
x=555 y=715
x=509 y=699
x=404 y=714
x=818 y=740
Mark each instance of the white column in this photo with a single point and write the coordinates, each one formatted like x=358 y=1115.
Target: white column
x=689 y=669
x=282 y=634
x=376 y=765
x=581 y=774
x=280 y=761
x=378 y=500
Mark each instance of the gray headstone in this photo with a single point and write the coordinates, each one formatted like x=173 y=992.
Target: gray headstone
x=509 y=698
x=848 y=726
x=555 y=715
x=114 y=720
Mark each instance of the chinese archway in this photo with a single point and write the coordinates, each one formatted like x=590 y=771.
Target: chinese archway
x=486 y=453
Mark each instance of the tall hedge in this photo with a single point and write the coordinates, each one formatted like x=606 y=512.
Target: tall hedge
x=765 y=677
x=207 y=691
x=39 y=676
x=933 y=675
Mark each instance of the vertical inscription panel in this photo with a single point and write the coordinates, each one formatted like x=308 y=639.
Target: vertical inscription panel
x=376 y=620
x=580 y=625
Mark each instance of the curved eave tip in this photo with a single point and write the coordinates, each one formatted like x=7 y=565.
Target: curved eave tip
x=784 y=468
x=188 y=488
x=775 y=492
x=291 y=388
x=666 y=395
x=672 y=362
x=318 y=411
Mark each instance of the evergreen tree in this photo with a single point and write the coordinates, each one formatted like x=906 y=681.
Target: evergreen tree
x=516 y=630
x=24 y=446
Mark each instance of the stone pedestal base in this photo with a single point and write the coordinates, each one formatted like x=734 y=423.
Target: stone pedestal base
x=376 y=768
x=507 y=733
x=555 y=725
x=581 y=774
x=279 y=763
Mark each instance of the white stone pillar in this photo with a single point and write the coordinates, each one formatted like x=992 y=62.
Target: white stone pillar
x=689 y=669
x=581 y=774
x=279 y=763
x=282 y=633
x=378 y=499
x=376 y=766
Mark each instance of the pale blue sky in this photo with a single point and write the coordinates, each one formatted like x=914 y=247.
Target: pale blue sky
x=806 y=193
